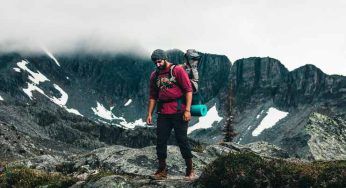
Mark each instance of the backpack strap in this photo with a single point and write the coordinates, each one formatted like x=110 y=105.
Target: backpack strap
x=172 y=77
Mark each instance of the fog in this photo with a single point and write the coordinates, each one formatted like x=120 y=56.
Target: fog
x=296 y=32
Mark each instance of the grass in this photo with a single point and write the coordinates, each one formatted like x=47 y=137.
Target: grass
x=26 y=177
x=247 y=169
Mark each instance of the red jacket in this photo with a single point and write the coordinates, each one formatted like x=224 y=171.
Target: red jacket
x=169 y=91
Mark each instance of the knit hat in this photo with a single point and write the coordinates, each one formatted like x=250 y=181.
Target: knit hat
x=158 y=54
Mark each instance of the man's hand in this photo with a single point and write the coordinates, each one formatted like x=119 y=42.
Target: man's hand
x=187 y=116
x=149 y=120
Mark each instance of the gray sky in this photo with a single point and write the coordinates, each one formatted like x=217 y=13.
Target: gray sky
x=296 y=32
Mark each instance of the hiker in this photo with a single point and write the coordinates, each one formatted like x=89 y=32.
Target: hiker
x=173 y=96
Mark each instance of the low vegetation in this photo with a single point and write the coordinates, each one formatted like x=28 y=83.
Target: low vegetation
x=26 y=177
x=247 y=169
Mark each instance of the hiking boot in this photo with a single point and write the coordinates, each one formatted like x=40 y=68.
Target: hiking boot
x=161 y=172
x=190 y=173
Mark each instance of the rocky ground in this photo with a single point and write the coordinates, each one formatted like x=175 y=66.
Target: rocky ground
x=128 y=167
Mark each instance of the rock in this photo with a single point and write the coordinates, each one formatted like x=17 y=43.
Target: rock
x=327 y=137
x=267 y=149
x=44 y=162
x=109 y=181
x=120 y=159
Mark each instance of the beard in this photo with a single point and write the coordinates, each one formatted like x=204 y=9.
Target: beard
x=162 y=67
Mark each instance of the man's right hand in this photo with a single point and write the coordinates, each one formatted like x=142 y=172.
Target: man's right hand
x=149 y=120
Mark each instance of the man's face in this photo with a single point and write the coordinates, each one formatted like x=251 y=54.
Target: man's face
x=160 y=64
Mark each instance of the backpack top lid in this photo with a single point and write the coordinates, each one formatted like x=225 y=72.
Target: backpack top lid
x=192 y=54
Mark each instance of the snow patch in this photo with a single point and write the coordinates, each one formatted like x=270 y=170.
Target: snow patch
x=67 y=77
x=128 y=102
x=16 y=69
x=273 y=116
x=32 y=87
x=73 y=111
x=101 y=111
x=59 y=101
x=1 y=99
x=259 y=115
x=132 y=125
x=63 y=99
x=34 y=77
x=206 y=121
x=52 y=57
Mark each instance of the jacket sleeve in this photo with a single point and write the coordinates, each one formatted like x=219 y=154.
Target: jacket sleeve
x=183 y=79
x=153 y=91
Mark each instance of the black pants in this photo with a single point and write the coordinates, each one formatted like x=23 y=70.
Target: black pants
x=165 y=124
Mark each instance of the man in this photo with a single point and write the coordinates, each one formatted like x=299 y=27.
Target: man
x=173 y=96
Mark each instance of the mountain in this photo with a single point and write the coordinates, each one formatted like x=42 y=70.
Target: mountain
x=74 y=103
x=280 y=107
x=84 y=101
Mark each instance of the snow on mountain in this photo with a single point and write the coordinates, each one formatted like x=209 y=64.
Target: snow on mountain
x=34 y=77
x=102 y=112
x=128 y=102
x=132 y=125
x=206 y=121
x=63 y=99
x=273 y=116
x=32 y=87
x=73 y=111
x=259 y=115
x=16 y=69
x=1 y=99
x=52 y=57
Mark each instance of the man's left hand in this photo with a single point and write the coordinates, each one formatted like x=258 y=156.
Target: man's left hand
x=187 y=116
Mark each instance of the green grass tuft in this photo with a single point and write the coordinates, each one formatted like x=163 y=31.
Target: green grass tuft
x=26 y=177
x=246 y=169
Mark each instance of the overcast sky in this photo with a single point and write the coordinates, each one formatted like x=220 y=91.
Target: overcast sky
x=296 y=32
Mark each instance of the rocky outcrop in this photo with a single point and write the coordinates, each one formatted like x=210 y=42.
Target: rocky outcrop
x=327 y=137
x=267 y=149
x=122 y=165
x=255 y=80
x=262 y=86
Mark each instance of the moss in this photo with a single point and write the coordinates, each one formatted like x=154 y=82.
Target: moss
x=101 y=174
x=198 y=147
x=26 y=177
x=246 y=169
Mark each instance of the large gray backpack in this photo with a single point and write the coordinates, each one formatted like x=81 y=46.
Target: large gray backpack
x=191 y=66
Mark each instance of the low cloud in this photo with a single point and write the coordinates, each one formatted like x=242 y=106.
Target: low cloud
x=294 y=32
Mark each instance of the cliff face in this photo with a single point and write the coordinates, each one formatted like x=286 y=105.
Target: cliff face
x=112 y=90
x=84 y=101
x=264 y=90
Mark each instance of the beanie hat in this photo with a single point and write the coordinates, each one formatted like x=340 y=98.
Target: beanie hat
x=158 y=54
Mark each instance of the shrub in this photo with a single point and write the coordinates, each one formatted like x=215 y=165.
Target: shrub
x=25 y=177
x=246 y=169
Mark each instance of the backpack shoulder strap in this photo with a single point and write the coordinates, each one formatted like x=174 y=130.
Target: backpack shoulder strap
x=171 y=70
